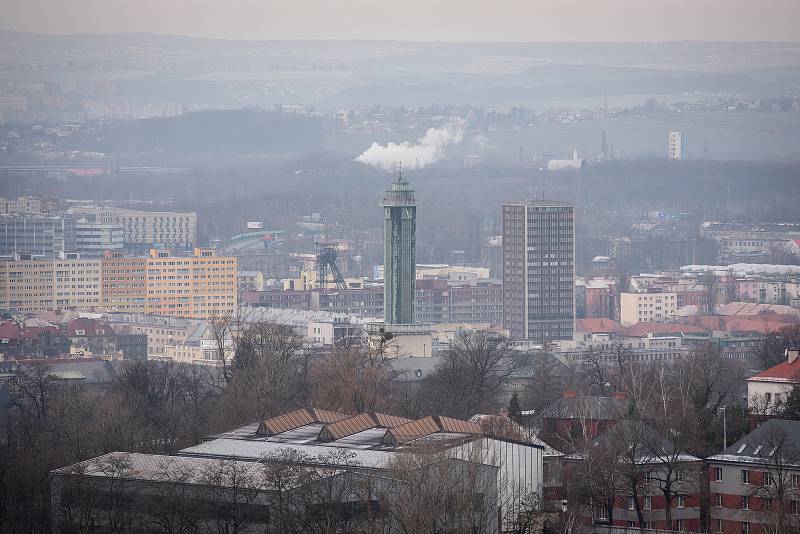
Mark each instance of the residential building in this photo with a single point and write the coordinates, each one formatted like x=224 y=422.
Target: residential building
x=27 y=285
x=91 y=337
x=652 y=467
x=675 y=145
x=647 y=307
x=147 y=228
x=754 y=484
x=539 y=270
x=202 y=286
x=76 y=283
x=250 y=281
x=123 y=283
x=159 y=331
x=769 y=389
x=399 y=235
x=23 y=205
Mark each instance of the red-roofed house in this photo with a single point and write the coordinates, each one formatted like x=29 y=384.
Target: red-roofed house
x=30 y=341
x=91 y=337
x=767 y=390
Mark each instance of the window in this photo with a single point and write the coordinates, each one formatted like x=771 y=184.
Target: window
x=795 y=507
x=679 y=525
x=719 y=526
x=648 y=502
x=745 y=528
x=795 y=481
x=718 y=474
x=631 y=524
x=745 y=476
x=681 y=501
x=630 y=503
x=680 y=475
x=745 y=502
x=718 y=500
x=768 y=481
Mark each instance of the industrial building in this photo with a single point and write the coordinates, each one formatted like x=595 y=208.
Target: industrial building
x=380 y=451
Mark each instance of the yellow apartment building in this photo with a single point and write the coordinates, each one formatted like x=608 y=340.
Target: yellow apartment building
x=124 y=283
x=203 y=286
x=27 y=285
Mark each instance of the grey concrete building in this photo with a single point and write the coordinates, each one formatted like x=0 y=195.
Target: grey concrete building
x=539 y=270
x=400 y=216
x=41 y=236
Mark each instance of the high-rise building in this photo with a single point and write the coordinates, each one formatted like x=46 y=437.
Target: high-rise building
x=399 y=227
x=42 y=236
x=539 y=270
x=675 y=147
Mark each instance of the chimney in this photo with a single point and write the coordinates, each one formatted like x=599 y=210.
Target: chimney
x=791 y=355
x=570 y=394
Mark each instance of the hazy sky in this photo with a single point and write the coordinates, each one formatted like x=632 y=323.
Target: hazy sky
x=447 y=20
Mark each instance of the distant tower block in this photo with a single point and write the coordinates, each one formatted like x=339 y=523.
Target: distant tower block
x=399 y=228
x=675 y=145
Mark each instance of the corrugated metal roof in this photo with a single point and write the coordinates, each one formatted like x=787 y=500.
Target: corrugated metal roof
x=448 y=424
x=296 y=419
x=359 y=423
x=411 y=430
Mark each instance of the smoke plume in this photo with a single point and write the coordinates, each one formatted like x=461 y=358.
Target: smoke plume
x=428 y=149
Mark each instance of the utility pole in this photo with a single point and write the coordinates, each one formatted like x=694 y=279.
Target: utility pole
x=521 y=159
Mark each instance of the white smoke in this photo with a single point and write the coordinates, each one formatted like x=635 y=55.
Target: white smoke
x=428 y=149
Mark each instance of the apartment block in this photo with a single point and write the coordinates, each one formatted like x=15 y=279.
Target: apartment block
x=175 y=229
x=539 y=270
x=76 y=283
x=650 y=307
x=203 y=286
x=199 y=287
x=27 y=285
x=124 y=283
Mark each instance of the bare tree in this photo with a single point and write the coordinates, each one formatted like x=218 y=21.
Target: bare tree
x=472 y=373
x=230 y=491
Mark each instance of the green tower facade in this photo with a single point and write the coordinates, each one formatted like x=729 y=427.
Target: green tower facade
x=399 y=263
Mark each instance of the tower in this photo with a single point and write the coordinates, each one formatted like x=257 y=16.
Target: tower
x=399 y=264
x=539 y=270
x=675 y=147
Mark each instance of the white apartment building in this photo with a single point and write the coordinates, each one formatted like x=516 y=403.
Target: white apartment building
x=647 y=307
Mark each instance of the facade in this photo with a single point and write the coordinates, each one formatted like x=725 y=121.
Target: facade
x=123 y=283
x=675 y=145
x=172 y=229
x=648 y=307
x=202 y=286
x=93 y=239
x=23 y=205
x=767 y=390
x=42 y=236
x=399 y=248
x=539 y=270
x=754 y=484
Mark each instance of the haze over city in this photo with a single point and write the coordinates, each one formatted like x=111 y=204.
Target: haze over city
x=381 y=267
